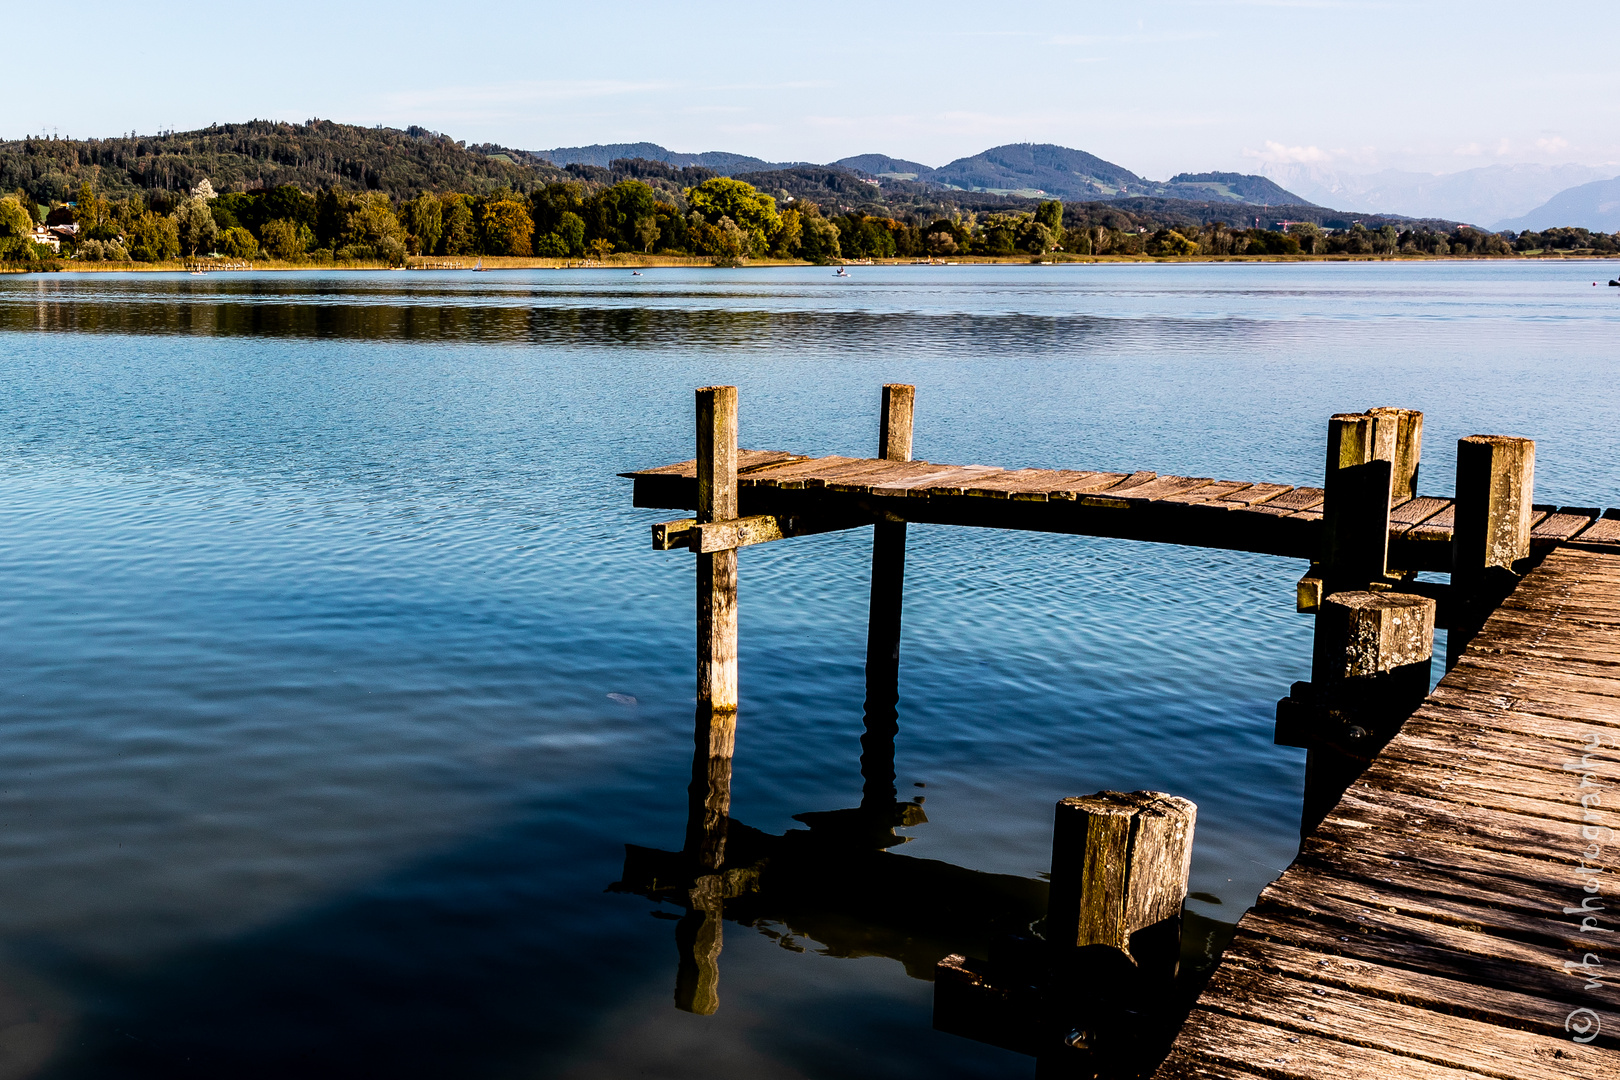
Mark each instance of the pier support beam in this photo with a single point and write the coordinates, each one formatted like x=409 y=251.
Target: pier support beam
x=1370 y=670
x=1356 y=497
x=1089 y=996
x=1490 y=545
x=1119 y=877
x=883 y=625
x=1398 y=438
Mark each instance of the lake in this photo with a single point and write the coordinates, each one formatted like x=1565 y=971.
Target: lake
x=338 y=670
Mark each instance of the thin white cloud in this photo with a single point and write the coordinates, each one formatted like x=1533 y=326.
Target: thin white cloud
x=1275 y=153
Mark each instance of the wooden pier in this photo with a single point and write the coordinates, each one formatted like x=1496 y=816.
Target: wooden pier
x=1452 y=911
x=1456 y=914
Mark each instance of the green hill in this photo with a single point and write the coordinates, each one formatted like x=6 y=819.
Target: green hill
x=316 y=155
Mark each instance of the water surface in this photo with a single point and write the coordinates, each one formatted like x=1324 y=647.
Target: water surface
x=338 y=670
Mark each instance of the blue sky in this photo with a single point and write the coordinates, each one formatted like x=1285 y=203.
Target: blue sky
x=1157 y=87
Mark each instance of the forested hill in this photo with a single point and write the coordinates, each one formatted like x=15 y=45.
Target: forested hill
x=315 y=156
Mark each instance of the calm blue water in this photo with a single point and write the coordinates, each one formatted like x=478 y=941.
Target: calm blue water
x=336 y=670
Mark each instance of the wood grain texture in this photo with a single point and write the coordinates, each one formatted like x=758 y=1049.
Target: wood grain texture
x=1443 y=921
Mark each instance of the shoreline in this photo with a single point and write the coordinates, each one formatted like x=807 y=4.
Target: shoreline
x=637 y=262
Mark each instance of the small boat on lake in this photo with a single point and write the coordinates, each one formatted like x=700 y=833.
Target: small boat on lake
x=843 y=271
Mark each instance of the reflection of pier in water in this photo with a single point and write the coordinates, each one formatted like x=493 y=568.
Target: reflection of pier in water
x=838 y=883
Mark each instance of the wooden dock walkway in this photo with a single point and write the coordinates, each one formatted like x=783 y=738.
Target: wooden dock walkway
x=817 y=494
x=1432 y=926
x=1453 y=911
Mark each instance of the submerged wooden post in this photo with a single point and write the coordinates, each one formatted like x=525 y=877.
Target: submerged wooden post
x=1120 y=864
x=883 y=623
x=1370 y=670
x=1490 y=541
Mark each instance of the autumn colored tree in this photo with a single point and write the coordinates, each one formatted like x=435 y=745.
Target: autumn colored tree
x=506 y=228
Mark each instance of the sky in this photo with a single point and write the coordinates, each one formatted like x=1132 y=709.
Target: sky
x=1160 y=88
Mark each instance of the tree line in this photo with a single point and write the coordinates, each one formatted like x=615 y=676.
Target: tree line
x=723 y=219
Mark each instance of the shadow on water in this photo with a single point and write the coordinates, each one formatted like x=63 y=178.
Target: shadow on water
x=838 y=883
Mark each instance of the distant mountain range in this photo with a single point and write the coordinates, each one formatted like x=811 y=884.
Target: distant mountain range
x=1031 y=170
x=1594 y=206
x=1495 y=196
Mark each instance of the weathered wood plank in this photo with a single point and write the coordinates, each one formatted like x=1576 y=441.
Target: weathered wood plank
x=1214 y=492
x=1435 y=529
x=1036 y=485
x=1415 y=512
x=1306 y=1006
x=1255 y=494
x=1445 y=996
x=1605 y=530
x=1126 y=495
x=1214 y=1037
x=938 y=478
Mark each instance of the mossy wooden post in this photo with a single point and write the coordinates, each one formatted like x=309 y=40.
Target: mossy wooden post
x=1119 y=878
x=1398 y=438
x=1370 y=670
x=883 y=623
x=716 y=720
x=1490 y=545
x=1356 y=496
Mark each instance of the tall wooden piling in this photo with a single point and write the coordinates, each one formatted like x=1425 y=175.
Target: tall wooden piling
x=717 y=570
x=1490 y=542
x=1370 y=670
x=715 y=726
x=1398 y=439
x=883 y=621
x=1356 y=487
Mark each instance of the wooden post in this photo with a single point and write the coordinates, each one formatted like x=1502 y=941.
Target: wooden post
x=1119 y=877
x=1490 y=541
x=1398 y=437
x=717 y=570
x=714 y=734
x=883 y=624
x=1370 y=670
x=1356 y=498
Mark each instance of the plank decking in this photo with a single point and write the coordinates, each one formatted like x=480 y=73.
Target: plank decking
x=1427 y=927
x=1274 y=519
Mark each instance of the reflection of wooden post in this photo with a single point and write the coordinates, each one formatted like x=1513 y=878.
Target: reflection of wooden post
x=883 y=625
x=1490 y=545
x=1120 y=864
x=698 y=936
x=716 y=721
x=1369 y=671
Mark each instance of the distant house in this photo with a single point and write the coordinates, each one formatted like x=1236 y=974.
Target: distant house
x=43 y=234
